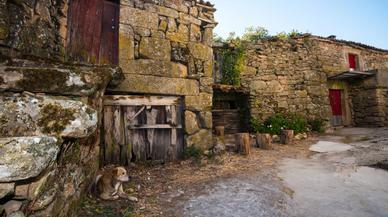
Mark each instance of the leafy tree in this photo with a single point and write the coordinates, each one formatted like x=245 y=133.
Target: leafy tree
x=255 y=33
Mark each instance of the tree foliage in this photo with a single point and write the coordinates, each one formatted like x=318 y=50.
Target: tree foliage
x=255 y=33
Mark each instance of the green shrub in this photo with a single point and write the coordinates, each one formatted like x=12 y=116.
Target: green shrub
x=297 y=123
x=317 y=125
x=255 y=33
x=192 y=152
x=279 y=121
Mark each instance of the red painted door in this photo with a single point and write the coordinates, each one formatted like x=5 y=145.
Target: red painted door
x=93 y=31
x=110 y=34
x=335 y=101
x=352 y=61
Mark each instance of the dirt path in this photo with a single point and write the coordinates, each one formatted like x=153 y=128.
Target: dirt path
x=189 y=188
x=288 y=181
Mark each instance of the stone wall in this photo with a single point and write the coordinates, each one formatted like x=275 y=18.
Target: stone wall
x=50 y=122
x=33 y=27
x=285 y=76
x=292 y=75
x=165 y=48
x=50 y=116
x=367 y=96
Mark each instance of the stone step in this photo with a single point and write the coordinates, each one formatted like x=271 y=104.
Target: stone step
x=26 y=157
x=57 y=79
x=30 y=115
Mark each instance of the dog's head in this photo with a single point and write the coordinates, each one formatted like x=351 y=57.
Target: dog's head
x=120 y=173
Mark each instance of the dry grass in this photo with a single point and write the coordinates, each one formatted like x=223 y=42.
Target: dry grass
x=151 y=182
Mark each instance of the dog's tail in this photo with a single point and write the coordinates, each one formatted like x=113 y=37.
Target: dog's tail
x=94 y=187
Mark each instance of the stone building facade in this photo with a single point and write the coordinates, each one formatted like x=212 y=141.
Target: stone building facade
x=364 y=97
x=52 y=98
x=297 y=75
x=166 y=50
x=54 y=77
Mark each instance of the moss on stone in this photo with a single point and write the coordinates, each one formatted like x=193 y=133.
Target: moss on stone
x=54 y=118
x=42 y=79
x=74 y=156
x=3 y=32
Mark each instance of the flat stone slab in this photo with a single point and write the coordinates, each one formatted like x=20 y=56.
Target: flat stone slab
x=26 y=157
x=326 y=146
x=56 y=79
x=28 y=115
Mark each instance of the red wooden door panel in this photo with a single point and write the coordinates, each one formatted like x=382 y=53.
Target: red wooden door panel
x=335 y=102
x=110 y=34
x=93 y=31
x=352 y=61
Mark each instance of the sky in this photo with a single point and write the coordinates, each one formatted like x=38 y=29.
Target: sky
x=364 y=21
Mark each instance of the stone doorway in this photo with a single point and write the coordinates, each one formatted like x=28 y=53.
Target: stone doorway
x=336 y=98
x=231 y=110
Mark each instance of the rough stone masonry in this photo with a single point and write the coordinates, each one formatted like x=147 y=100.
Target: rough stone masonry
x=51 y=119
x=165 y=48
x=50 y=112
x=293 y=75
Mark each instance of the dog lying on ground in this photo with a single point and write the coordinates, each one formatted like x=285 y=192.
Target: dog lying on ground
x=108 y=184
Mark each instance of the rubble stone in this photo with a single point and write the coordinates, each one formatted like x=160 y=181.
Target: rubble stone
x=26 y=157
x=44 y=115
x=6 y=189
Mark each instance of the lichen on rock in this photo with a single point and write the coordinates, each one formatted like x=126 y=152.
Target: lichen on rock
x=46 y=115
x=26 y=157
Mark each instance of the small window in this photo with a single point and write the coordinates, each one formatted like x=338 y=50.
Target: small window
x=353 y=61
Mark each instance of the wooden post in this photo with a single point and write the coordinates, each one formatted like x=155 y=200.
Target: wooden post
x=220 y=131
x=286 y=136
x=243 y=144
x=264 y=141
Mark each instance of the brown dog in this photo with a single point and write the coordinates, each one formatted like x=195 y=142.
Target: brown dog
x=109 y=184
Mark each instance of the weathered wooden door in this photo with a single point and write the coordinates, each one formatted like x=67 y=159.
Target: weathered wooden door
x=93 y=27
x=142 y=128
x=336 y=107
x=109 y=50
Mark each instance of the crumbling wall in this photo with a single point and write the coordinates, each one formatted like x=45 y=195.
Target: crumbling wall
x=50 y=122
x=165 y=48
x=283 y=75
x=50 y=113
x=33 y=27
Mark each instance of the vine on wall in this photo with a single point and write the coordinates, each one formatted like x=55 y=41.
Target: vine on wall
x=233 y=58
x=233 y=64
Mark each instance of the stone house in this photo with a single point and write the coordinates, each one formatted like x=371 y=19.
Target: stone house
x=322 y=78
x=89 y=83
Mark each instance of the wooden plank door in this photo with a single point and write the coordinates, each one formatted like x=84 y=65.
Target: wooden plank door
x=109 y=50
x=93 y=31
x=336 y=106
x=142 y=128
